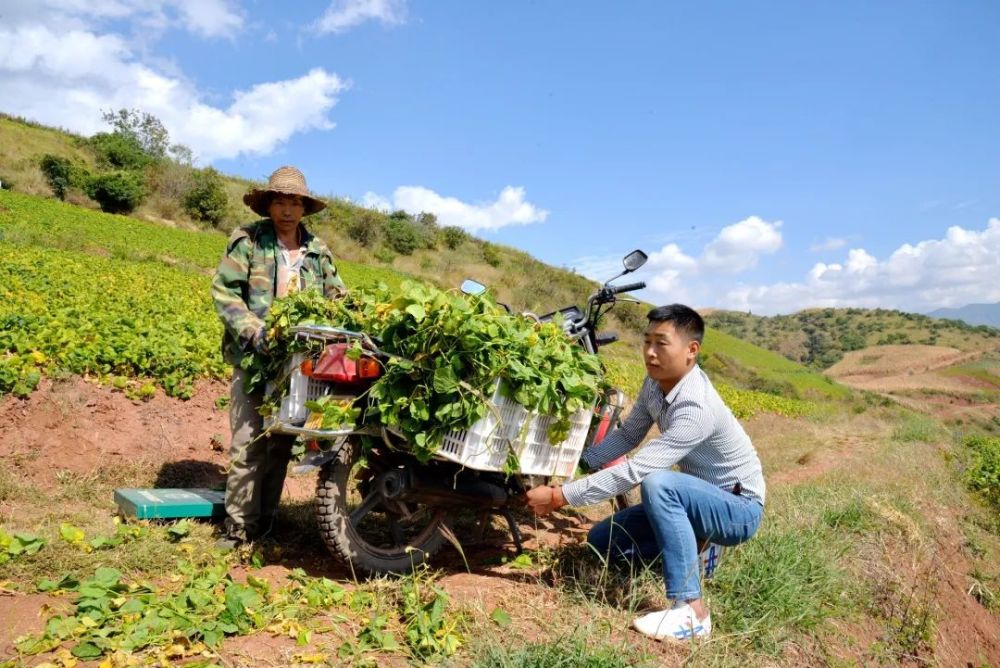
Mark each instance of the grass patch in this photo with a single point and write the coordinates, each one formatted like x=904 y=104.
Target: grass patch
x=578 y=650
x=782 y=583
x=918 y=428
x=578 y=570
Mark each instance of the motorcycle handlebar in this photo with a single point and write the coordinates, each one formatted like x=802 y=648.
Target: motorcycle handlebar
x=618 y=289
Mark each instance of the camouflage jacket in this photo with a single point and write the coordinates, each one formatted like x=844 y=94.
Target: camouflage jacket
x=246 y=279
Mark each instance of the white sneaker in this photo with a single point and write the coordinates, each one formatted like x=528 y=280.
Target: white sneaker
x=678 y=624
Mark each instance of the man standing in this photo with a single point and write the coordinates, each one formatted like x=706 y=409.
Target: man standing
x=266 y=259
x=717 y=495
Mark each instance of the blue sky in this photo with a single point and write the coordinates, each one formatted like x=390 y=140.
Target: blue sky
x=769 y=156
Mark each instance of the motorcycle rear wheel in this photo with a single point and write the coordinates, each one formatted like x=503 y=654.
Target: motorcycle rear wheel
x=363 y=529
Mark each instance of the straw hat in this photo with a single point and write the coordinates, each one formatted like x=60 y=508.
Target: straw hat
x=285 y=180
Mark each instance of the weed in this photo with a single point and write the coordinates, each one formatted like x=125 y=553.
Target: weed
x=581 y=572
x=577 y=650
x=918 y=428
x=781 y=583
x=856 y=517
x=907 y=614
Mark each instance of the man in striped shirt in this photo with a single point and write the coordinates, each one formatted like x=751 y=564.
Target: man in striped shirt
x=717 y=495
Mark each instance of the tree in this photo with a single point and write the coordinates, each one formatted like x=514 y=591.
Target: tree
x=118 y=151
x=58 y=172
x=401 y=234
x=147 y=130
x=453 y=236
x=117 y=192
x=207 y=199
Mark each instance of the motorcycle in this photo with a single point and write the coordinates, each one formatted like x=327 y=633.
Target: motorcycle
x=378 y=508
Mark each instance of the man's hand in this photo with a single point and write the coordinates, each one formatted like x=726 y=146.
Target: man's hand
x=259 y=343
x=544 y=499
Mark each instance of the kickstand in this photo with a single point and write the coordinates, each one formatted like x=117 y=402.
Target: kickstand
x=514 y=531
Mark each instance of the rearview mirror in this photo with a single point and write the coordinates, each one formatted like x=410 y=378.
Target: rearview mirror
x=471 y=287
x=634 y=260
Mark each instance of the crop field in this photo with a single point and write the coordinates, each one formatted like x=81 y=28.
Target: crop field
x=26 y=220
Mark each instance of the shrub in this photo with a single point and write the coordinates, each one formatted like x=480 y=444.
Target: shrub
x=5 y=183
x=426 y=227
x=58 y=173
x=207 y=200
x=385 y=255
x=365 y=227
x=117 y=192
x=118 y=151
x=401 y=235
x=453 y=237
x=983 y=473
x=491 y=255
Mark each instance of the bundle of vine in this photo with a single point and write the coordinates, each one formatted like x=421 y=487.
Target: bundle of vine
x=448 y=351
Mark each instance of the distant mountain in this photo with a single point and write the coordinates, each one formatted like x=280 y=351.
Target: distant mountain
x=818 y=338
x=973 y=314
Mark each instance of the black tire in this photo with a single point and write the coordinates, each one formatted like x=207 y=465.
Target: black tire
x=380 y=539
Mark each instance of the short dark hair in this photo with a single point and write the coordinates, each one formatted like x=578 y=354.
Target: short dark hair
x=684 y=318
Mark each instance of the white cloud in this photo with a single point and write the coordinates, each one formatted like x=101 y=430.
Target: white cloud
x=342 y=15
x=373 y=201
x=210 y=18
x=959 y=269
x=739 y=246
x=509 y=208
x=828 y=244
x=207 y=18
x=61 y=69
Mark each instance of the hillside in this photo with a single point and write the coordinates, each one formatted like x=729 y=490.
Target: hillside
x=972 y=314
x=957 y=386
x=410 y=245
x=819 y=338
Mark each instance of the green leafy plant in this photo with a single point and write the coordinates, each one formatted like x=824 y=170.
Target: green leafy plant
x=982 y=474
x=449 y=351
x=18 y=544
x=189 y=616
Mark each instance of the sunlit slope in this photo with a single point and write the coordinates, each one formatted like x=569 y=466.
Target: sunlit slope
x=127 y=301
x=755 y=368
x=28 y=220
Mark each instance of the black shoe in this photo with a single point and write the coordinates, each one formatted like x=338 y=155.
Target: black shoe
x=228 y=543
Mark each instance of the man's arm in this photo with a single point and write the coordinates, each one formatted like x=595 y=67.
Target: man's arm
x=227 y=290
x=689 y=426
x=625 y=438
x=333 y=287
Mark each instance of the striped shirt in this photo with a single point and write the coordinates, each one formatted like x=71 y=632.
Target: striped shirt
x=697 y=432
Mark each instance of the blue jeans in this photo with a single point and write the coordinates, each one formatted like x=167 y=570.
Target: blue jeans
x=677 y=511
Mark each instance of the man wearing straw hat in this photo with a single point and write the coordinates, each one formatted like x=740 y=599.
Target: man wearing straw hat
x=263 y=260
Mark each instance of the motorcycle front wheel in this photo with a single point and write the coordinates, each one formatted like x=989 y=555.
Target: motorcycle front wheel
x=363 y=528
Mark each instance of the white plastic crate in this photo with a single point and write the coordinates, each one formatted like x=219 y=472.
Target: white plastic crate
x=485 y=445
x=301 y=388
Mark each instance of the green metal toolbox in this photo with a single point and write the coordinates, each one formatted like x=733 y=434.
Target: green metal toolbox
x=149 y=504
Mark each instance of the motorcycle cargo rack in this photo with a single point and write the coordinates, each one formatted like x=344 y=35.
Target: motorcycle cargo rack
x=291 y=414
